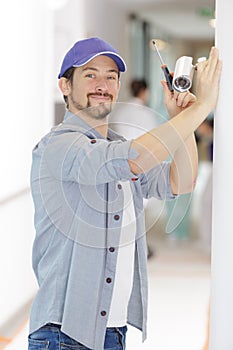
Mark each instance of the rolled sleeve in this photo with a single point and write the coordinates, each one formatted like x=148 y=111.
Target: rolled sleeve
x=156 y=182
x=75 y=157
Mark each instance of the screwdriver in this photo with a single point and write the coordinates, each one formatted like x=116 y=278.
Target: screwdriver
x=166 y=72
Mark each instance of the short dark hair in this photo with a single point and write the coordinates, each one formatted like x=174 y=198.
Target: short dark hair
x=69 y=76
x=138 y=85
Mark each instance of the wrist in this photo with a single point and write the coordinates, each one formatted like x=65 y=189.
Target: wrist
x=201 y=109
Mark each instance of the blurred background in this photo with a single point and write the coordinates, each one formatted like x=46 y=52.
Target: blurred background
x=35 y=35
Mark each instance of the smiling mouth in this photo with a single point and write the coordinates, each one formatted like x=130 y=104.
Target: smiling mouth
x=100 y=97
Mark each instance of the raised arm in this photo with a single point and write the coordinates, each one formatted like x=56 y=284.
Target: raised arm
x=175 y=137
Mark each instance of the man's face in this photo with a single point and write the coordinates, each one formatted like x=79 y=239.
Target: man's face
x=95 y=87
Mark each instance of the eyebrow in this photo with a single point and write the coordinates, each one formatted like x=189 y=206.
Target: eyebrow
x=96 y=70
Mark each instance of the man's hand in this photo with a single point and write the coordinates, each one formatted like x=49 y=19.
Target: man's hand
x=176 y=137
x=208 y=77
x=176 y=102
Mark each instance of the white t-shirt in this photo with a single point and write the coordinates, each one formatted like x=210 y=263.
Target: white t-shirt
x=125 y=263
x=132 y=119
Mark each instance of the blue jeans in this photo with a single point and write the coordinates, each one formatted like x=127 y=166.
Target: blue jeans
x=50 y=337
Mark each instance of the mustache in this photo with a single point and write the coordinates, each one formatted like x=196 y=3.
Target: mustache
x=105 y=94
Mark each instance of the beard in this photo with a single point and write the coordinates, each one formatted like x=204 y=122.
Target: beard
x=99 y=111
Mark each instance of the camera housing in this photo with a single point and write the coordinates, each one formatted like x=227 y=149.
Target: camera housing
x=183 y=74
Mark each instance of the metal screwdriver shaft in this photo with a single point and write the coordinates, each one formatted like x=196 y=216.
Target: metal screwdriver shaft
x=166 y=72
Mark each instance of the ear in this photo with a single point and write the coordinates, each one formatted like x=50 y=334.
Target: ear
x=64 y=86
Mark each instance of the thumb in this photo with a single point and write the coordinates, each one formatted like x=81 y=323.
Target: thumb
x=166 y=91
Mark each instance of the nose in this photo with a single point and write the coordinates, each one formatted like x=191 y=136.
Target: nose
x=101 y=85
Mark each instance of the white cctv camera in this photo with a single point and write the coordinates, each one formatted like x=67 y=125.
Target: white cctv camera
x=183 y=74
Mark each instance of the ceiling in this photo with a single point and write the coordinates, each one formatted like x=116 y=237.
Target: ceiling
x=187 y=19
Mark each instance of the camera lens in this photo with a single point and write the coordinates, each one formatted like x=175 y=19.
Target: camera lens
x=182 y=83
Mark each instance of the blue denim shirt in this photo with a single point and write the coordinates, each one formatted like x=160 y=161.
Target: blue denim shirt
x=78 y=203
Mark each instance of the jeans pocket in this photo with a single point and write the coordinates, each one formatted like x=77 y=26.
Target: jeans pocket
x=78 y=346
x=34 y=344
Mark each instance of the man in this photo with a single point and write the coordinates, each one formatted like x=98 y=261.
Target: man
x=89 y=254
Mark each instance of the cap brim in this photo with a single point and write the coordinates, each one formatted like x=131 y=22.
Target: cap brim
x=114 y=56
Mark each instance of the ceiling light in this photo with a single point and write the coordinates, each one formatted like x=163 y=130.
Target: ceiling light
x=161 y=44
x=212 y=22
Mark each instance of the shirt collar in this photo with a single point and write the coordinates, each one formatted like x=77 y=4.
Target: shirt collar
x=75 y=121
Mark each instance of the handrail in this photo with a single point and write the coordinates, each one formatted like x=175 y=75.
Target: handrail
x=14 y=196
x=11 y=329
x=5 y=340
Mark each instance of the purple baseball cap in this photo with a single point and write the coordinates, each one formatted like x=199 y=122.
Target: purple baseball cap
x=85 y=50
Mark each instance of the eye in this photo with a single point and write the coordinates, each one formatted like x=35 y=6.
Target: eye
x=112 y=77
x=90 y=75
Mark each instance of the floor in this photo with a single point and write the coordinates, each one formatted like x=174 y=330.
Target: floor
x=179 y=291
x=179 y=281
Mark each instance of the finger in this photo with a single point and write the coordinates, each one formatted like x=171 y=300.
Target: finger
x=213 y=61
x=166 y=90
x=218 y=71
x=176 y=94
x=200 y=66
x=184 y=98
x=180 y=98
x=188 y=98
x=217 y=75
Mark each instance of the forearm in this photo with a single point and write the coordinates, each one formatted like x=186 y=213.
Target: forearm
x=168 y=139
x=184 y=167
x=164 y=141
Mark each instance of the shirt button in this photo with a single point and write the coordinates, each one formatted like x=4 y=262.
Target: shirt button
x=93 y=141
x=116 y=217
x=108 y=280
x=112 y=249
x=134 y=178
x=119 y=186
x=103 y=313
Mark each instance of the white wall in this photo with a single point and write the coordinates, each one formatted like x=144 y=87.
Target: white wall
x=69 y=27
x=27 y=112
x=25 y=115
x=221 y=316
x=108 y=20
